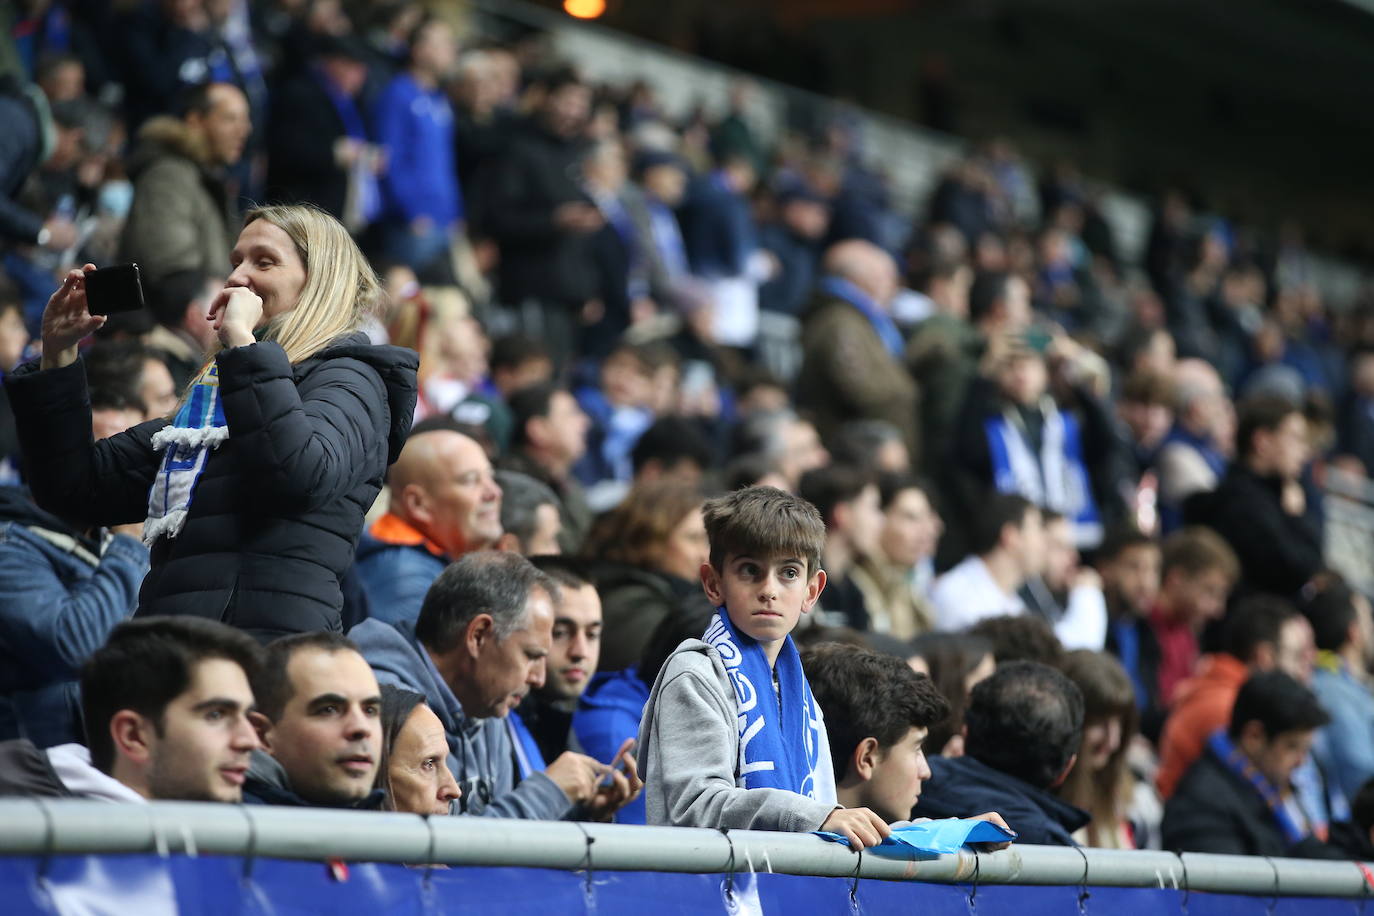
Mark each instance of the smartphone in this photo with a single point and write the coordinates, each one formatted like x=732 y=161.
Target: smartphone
x=114 y=289
x=619 y=764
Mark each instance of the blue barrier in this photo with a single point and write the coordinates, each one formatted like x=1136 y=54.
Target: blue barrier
x=152 y=885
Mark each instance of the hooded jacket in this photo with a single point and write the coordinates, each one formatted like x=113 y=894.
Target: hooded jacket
x=481 y=755
x=180 y=216
x=958 y=785
x=279 y=507
x=268 y=784
x=60 y=595
x=689 y=755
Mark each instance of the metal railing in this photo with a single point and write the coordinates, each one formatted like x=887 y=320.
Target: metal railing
x=35 y=827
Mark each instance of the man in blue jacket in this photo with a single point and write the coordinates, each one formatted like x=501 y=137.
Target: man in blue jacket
x=414 y=123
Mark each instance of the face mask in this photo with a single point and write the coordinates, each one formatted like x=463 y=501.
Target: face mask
x=115 y=198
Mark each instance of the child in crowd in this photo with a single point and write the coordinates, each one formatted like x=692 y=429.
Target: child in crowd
x=732 y=736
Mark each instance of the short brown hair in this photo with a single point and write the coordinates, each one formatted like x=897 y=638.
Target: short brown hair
x=1197 y=550
x=764 y=522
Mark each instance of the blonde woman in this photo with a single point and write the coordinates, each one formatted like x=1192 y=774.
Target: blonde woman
x=252 y=494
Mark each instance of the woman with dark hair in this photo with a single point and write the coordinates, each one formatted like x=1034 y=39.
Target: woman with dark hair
x=1101 y=782
x=413 y=769
x=646 y=557
x=956 y=662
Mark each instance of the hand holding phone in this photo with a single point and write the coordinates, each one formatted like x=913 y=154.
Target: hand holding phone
x=66 y=320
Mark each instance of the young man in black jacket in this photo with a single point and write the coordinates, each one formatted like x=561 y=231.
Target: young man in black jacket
x=1238 y=797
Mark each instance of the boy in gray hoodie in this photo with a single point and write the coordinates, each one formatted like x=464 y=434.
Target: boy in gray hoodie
x=731 y=736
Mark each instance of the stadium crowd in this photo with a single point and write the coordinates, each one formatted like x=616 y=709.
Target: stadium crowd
x=1068 y=509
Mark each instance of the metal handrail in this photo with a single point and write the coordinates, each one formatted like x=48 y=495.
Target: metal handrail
x=40 y=827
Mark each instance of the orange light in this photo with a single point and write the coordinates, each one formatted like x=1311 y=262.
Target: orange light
x=584 y=9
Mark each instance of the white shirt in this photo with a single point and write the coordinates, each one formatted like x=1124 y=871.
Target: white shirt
x=967 y=594
x=72 y=764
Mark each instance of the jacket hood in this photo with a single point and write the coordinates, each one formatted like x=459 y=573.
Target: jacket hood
x=397 y=366
x=167 y=136
x=17 y=506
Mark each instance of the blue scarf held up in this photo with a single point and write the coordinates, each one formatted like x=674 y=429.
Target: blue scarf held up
x=882 y=322
x=198 y=428
x=779 y=739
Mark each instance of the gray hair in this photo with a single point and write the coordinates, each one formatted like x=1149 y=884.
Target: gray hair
x=764 y=433
x=482 y=582
x=521 y=497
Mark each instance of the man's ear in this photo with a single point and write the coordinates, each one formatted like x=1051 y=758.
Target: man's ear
x=536 y=431
x=710 y=583
x=481 y=632
x=263 y=726
x=415 y=503
x=132 y=735
x=865 y=758
x=1252 y=738
x=1068 y=768
x=813 y=590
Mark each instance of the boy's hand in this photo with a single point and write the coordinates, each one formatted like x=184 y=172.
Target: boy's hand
x=992 y=817
x=860 y=826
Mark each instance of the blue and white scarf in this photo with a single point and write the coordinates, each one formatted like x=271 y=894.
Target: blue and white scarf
x=1239 y=764
x=779 y=737
x=198 y=427
x=1056 y=478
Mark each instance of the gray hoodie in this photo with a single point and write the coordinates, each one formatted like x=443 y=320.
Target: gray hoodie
x=479 y=749
x=689 y=755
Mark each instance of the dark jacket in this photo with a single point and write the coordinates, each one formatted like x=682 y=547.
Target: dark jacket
x=536 y=173
x=26 y=772
x=717 y=228
x=1215 y=810
x=268 y=784
x=962 y=786
x=60 y=595
x=633 y=603
x=21 y=150
x=279 y=507
x=305 y=126
x=1279 y=553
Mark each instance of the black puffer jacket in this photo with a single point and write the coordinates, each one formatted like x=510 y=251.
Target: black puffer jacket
x=277 y=512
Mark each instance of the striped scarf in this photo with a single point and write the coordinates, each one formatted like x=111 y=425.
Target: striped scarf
x=198 y=427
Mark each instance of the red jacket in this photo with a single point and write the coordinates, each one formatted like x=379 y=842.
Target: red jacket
x=1202 y=704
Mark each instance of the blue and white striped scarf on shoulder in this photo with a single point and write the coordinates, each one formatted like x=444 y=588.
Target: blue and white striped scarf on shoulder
x=198 y=427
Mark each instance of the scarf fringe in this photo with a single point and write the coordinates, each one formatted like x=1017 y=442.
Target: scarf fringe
x=209 y=436
x=169 y=524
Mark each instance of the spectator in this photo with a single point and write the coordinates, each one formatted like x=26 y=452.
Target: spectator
x=956 y=663
x=647 y=555
x=550 y=436
x=1020 y=638
x=1262 y=633
x=1193 y=456
x=673 y=448
x=879 y=712
x=25 y=112
x=414 y=125
x=1341 y=625
x=794 y=239
x=786 y=440
x=14 y=338
x=620 y=409
x=184 y=336
x=872 y=445
x=266 y=525
x=895 y=578
x=166 y=704
x=1238 y=797
x=1022 y=732
x=127 y=362
x=1146 y=409
x=518 y=362
x=1356 y=836
x=181 y=213
x=444 y=503
x=660 y=184
x=320 y=149
x=1198 y=571
x=481 y=120
x=319 y=719
x=1068 y=597
x=1357 y=415
x=1260 y=507
x=1129 y=563
x=543 y=221
x=547 y=711
x=722 y=247
x=479 y=645
x=848 y=502
x=412 y=771
x=1102 y=783
x=1009 y=547
x=612 y=706
x=530 y=520
x=852 y=364
x=764 y=573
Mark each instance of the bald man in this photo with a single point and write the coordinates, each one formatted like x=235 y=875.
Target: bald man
x=445 y=502
x=852 y=366
x=1194 y=455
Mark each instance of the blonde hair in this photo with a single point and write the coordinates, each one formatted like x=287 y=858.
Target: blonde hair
x=341 y=289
